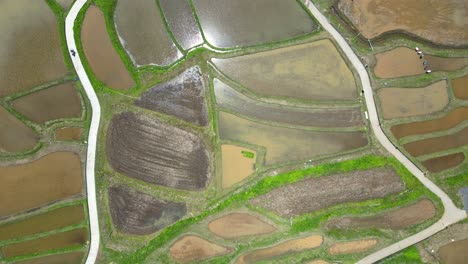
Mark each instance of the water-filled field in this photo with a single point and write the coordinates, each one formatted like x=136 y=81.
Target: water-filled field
x=444 y=162
x=235 y=164
x=455 y=252
x=67 y=258
x=68 y=133
x=460 y=87
x=431 y=145
x=14 y=135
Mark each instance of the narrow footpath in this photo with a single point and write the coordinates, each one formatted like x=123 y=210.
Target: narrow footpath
x=451 y=214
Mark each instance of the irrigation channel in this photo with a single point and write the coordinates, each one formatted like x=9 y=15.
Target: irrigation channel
x=451 y=214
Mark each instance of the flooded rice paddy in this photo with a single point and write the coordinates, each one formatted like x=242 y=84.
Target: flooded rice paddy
x=318 y=193
x=455 y=252
x=67 y=258
x=288 y=247
x=51 y=220
x=28 y=58
x=460 y=87
x=448 y=121
x=287 y=144
x=182 y=97
x=431 y=145
x=193 y=248
x=236 y=166
x=142 y=32
x=68 y=133
x=235 y=225
x=440 y=21
x=228 y=98
x=60 y=101
x=227 y=24
x=396 y=219
x=350 y=247
x=406 y=102
x=445 y=162
x=65 y=3
x=100 y=53
x=312 y=71
x=50 y=178
x=181 y=22
x=137 y=213
x=57 y=241
x=14 y=135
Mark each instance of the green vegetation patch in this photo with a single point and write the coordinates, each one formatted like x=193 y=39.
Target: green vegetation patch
x=248 y=154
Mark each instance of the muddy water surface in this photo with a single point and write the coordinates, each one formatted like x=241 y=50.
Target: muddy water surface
x=460 y=87
x=454 y=253
x=236 y=166
x=68 y=258
x=68 y=133
x=14 y=135
x=445 y=162
x=431 y=145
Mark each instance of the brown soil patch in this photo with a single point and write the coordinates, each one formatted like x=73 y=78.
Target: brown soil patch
x=236 y=167
x=318 y=262
x=439 y=21
x=14 y=135
x=100 y=53
x=60 y=101
x=55 y=219
x=455 y=252
x=182 y=97
x=137 y=213
x=193 y=248
x=50 y=178
x=460 y=87
x=319 y=193
x=436 y=144
x=445 y=162
x=451 y=120
x=57 y=241
x=397 y=219
x=446 y=64
x=152 y=151
x=406 y=102
x=349 y=247
x=67 y=258
x=28 y=58
x=68 y=133
x=236 y=225
x=288 y=247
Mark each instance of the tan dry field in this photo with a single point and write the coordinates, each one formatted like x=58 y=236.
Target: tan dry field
x=193 y=248
x=150 y=44
x=147 y=149
x=318 y=262
x=350 y=247
x=14 y=135
x=67 y=258
x=137 y=213
x=229 y=98
x=406 y=102
x=443 y=163
x=440 y=21
x=460 y=87
x=100 y=53
x=30 y=49
x=60 y=101
x=57 y=241
x=48 y=179
x=312 y=71
x=431 y=145
x=395 y=219
x=318 y=193
x=455 y=252
x=452 y=119
x=68 y=133
x=236 y=167
x=235 y=225
x=287 y=247
x=55 y=219
x=288 y=144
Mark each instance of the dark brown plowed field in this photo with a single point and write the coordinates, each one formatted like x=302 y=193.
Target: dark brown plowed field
x=182 y=97
x=432 y=145
x=149 y=150
x=397 y=219
x=460 y=87
x=137 y=213
x=67 y=258
x=450 y=120
x=445 y=162
x=319 y=193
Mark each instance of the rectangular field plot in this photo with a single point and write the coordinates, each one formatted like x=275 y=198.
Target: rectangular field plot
x=67 y=258
x=14 y=135
x=431 y=145
x=288 y=144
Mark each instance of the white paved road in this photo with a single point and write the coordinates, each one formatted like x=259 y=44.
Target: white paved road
x=451 y=214
x=93 y=132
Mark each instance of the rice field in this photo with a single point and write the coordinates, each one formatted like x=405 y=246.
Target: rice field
x=15 y=136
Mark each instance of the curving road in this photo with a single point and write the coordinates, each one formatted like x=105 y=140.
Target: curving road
x=93 y=131
x=452 y=214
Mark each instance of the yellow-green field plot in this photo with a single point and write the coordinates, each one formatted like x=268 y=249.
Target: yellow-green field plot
x=237 y=163
x=312 y=71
